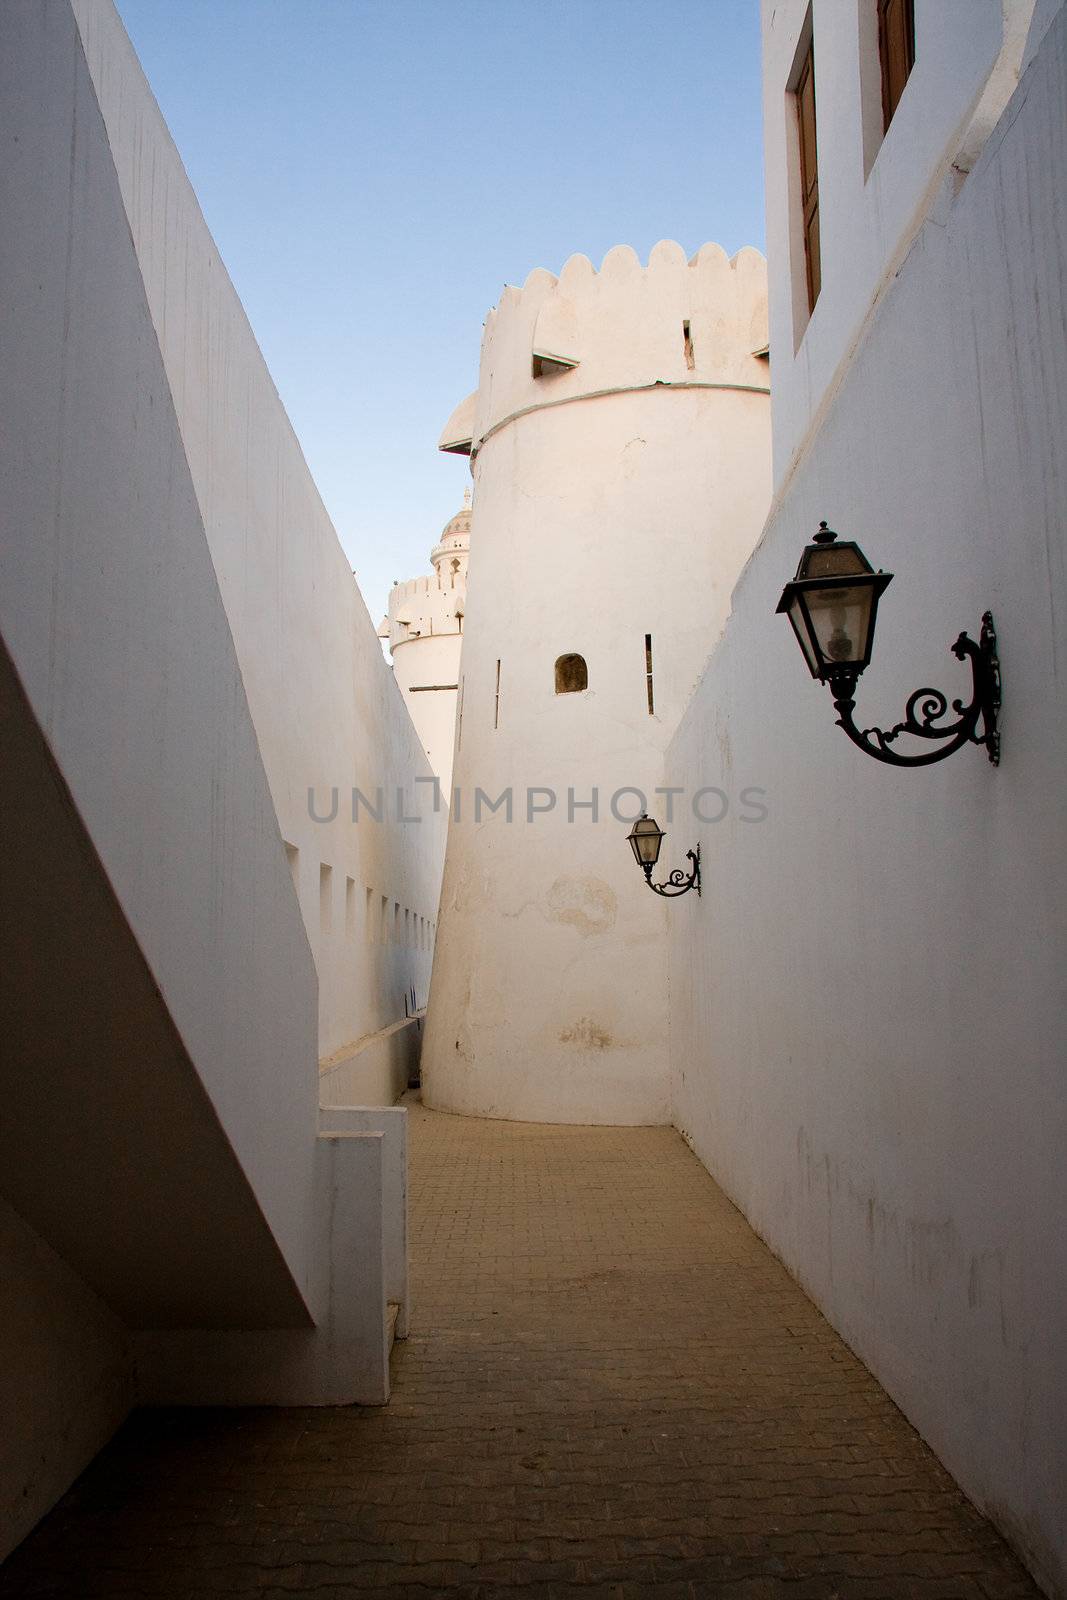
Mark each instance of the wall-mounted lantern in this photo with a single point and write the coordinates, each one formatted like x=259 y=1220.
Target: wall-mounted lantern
x=832 y=604
x=645 y=838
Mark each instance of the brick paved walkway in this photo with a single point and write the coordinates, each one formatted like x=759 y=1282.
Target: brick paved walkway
x=611 y=1390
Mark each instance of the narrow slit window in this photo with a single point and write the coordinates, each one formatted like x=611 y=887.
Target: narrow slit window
x=396 y=921
x=496 y=702
x=687 y=345
x=383 y=925
x=896 y=47
x=325 y=898
x=368 y=917
x=350 y=907
x=648 y=675
x=809 y=173
x=572 y=674
x=292 y=856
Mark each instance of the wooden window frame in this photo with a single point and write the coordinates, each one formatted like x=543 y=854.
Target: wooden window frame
x=808 y=146
x=896 y=52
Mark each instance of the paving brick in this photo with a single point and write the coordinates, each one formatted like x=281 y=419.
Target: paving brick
x=612 y=1391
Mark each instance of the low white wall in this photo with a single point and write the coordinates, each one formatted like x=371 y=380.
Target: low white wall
x=868 y=1025
x=392 y=1123
x=342 y=1361
x=375 y=1071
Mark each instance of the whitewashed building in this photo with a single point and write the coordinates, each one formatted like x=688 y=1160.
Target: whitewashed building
x=619 y=442
x=424 y=630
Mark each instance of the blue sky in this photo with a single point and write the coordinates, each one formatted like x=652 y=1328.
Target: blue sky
x=374 y=171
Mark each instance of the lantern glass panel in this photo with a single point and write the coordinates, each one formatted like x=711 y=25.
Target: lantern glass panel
x=841 y=622
x=800 y=628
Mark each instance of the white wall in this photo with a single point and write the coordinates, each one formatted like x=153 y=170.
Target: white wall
x=326 y=711
x=867 y=1026
x=159 y=701
x=613 y=501
x=873 y=193
x=159 y=1000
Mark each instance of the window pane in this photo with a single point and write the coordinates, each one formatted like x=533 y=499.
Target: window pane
x=811 y=236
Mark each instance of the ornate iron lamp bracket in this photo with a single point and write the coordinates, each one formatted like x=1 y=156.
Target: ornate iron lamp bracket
x=926 y=707
x=677 y=882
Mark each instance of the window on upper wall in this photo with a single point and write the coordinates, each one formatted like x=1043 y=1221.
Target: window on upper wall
x=804 y=94
x=896 y=49
x=572 y=674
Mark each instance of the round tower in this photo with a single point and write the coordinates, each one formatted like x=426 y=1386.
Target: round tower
x=424 y=628
x=620 y=447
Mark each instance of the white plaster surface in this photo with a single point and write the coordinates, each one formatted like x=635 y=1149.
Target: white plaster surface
x=867 y=1011
x=612 y=501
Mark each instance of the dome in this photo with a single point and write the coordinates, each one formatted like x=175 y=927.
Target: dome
x=459 y=526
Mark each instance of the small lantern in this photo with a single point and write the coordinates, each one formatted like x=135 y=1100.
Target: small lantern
x=832 y=604
x=645 y=838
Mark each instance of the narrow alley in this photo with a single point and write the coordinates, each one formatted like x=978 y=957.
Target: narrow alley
x=612 y=1388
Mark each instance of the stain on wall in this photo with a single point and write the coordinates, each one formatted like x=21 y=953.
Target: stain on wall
x=588 y=904
x=587 y=1034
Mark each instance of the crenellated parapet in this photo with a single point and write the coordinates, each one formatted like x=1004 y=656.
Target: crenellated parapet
x=675 y=323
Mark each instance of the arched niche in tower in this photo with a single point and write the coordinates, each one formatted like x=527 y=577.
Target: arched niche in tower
x=572 y=674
